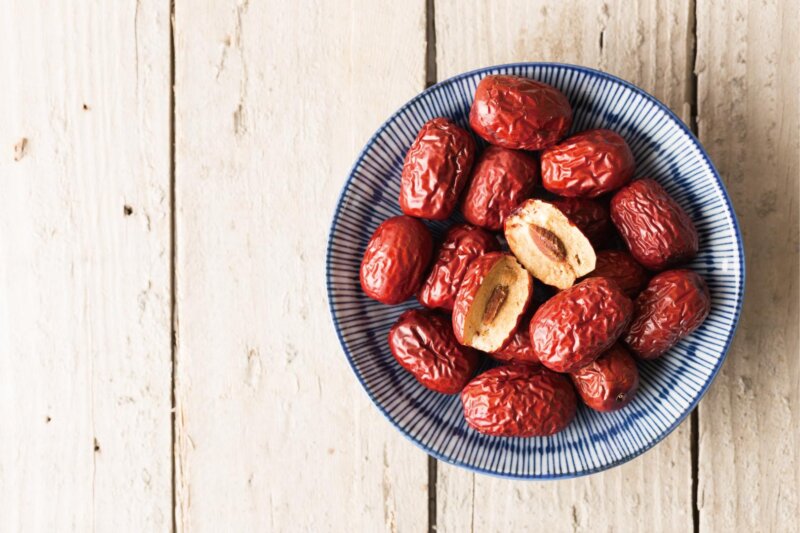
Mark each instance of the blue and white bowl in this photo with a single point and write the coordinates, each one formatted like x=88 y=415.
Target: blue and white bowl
x=670 y=386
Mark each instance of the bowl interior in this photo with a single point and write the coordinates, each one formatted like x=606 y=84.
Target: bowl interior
x=670 y=386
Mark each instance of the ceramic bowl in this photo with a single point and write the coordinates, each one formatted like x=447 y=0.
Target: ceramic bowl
x=670 y=387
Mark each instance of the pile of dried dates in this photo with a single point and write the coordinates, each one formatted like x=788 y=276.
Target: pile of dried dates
x=602 y=248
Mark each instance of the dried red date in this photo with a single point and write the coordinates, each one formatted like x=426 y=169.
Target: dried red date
x=462 y=244
x=517 y=350
x=622 y=268
x=590 y=216
x=609 y=382
x=423 y=343
x=436 y=169
x=395 y=260
x=575 y=326
x=519 y=401
x=673 y=305
x=491 y=300
x=519 y=113
x=501 y=180
x=588 y=164
x=656 y=230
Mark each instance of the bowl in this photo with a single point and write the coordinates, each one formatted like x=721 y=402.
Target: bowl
x=670 y=386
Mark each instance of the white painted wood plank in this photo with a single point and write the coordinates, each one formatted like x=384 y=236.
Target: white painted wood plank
x=649 y=44
x=85 y=358
x=274 y=100
x=749 y=119
x=651 y=492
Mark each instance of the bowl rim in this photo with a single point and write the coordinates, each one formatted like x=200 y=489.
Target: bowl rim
x=728 y=206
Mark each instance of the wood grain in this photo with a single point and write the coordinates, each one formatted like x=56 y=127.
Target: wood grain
x=84 y=281
x=274 y=100
x=649 y=44
x=749 y=121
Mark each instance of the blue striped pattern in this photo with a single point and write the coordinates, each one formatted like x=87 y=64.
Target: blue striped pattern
x=671 y=386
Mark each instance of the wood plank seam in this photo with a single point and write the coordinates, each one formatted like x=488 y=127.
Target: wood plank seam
x=172 y=261
x=431 y=79
x=691 y=80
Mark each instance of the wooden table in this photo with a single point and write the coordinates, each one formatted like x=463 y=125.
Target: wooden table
x=166 y=356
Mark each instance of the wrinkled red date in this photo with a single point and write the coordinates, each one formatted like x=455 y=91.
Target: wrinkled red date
x=621 y=267
x=423 y=343
x=517 y=350
x=588 y=164
x=519 y=401
x=609 y=382
x=395 y=260
x=673 y=305
x=656 y=230
x=461 y=245
x=519 y=113
x=575 y=326
x=436 y=169
x=501 y=180
x=590 y=216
